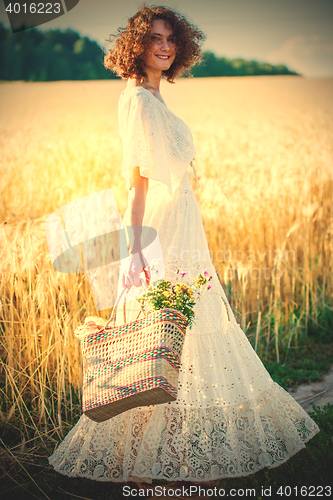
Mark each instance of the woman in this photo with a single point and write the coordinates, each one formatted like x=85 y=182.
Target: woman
x=230 y=419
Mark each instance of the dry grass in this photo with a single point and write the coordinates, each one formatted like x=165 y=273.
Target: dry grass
x=264 y=159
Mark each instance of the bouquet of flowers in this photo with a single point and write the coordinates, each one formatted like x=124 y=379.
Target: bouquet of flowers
x=161 y=294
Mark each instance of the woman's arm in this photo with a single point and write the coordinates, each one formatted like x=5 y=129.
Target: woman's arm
x=136 y=208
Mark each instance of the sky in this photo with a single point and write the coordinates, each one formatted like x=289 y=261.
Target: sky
x=297 y=33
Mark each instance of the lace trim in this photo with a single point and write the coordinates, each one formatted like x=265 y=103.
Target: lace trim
x=168 y=443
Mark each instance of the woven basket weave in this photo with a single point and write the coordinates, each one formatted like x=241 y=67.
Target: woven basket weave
x=131 y=365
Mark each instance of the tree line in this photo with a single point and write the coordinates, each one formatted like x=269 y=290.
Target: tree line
x=221 y=66
x=33 y=55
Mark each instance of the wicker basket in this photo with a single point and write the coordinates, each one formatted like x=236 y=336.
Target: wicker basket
x=131 y=365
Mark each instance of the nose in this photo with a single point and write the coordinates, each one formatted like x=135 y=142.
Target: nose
x=165 y=45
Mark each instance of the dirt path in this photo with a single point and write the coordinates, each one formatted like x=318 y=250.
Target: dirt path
x=320 y=393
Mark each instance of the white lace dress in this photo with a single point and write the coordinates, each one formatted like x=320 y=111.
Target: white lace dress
x=230 y=418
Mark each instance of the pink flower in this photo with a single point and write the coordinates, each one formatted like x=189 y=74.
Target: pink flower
x=209 y=287
x=182 y=274
x=206 y=273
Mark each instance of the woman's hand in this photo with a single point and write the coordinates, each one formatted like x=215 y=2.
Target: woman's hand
x=131 y=274
x=136 y=207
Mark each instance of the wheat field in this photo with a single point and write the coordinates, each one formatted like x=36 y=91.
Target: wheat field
x=265 y=165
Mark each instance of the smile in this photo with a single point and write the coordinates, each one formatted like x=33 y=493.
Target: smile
x=162 y=57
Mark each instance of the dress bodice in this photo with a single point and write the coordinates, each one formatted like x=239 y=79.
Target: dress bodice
x=154 y=139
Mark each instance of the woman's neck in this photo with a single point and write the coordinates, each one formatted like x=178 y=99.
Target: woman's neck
x=154 y=79
x=153 y=82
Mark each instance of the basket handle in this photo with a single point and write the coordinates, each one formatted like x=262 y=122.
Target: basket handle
x=114 y=309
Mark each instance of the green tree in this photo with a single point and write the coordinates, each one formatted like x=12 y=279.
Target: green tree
x=65 y=55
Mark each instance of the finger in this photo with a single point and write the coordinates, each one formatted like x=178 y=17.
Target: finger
x=147 y=267
x=128 y=283
x=136 y=280
x=123 y=281
x=143 y=282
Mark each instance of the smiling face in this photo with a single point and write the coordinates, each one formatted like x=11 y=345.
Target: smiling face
x=162 y=47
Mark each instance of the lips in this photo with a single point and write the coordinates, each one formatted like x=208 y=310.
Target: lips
x=163 y=57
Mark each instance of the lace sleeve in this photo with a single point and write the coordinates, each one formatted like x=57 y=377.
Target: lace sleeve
x=144 y=143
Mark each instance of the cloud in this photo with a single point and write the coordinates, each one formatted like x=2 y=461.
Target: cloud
x=312 y=55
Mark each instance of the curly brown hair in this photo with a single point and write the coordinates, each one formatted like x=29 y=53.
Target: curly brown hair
x=127 y=58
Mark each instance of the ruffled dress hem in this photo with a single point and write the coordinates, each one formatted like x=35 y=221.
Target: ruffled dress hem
x=166 y=443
